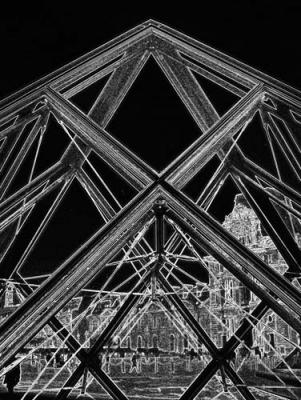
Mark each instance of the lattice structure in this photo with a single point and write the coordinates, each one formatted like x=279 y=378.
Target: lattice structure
x=121 y=255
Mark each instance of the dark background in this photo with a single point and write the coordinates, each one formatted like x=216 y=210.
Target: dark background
x=39 y=38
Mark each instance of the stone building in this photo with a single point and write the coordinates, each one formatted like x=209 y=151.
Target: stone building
x=229 y=299
x=219 y=305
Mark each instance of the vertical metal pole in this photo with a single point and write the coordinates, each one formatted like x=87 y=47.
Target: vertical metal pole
x=159 y=209
x=85 y=374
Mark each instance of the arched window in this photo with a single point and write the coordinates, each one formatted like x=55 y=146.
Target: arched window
x=185 y=342
x=272 y=340
x=93 y=324
x=139 y=342
x=155 y=341
x=231 y=289
x=172 y=343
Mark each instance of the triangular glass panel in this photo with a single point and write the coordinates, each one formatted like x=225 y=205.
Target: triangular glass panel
x=220 y=388
x=22 y=240
x=221 y=99
x=296 y=116
x=8 y=123
x=7 y=235
x=152 y=121
x=92 y=389
x=14 y=140
x=54 y=142
x=154 y=354
x=44 y=365
x=289 y=131
x=217 y=300
x=2 y=141
x=256 y=146
x=74 y=222
x=243 y=222
x=211 y=71
x=269 y=361
x=268 y=101
x=85 y=98
x=287 y=173
x=24 y=173
x=292 y=222
x=223 y=201
x=227 y=304
x=17 y=158
x=117 y=191
x=213 y=389
x=194 y=188
x=116 y=274
x=186 y=262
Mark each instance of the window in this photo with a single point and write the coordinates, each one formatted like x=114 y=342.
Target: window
x=231 y=289
x=269 y=258
x=213 y=296
x=172 y=342
x=93 y=324
x=272 y=340
x=227 y=290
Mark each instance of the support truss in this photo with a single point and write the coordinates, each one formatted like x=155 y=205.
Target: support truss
x=159 y=198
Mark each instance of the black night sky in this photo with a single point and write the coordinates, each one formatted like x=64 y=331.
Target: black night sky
x=37 y=39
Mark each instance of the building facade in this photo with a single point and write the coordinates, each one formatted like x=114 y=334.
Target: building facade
x=219 y=305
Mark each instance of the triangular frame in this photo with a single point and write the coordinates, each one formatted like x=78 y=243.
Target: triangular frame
x=177 y=55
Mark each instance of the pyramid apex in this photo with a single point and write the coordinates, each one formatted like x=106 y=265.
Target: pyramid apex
x=151 y=23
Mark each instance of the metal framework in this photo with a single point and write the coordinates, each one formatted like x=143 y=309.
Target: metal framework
x=160 y=198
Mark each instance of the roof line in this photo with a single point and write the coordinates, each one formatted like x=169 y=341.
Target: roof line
x=177 y=38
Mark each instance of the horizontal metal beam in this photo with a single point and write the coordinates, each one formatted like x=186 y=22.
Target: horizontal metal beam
x=203 y=337
x=187 y=316
x=75 y=273
x=90 y=359
x=81 y=354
